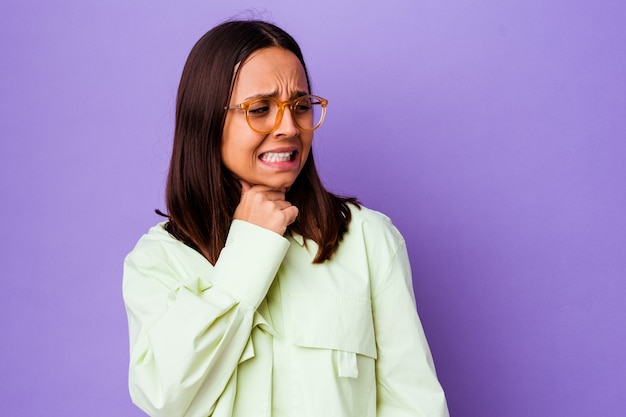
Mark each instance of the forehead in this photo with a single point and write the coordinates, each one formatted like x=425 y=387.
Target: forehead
x=270 y=70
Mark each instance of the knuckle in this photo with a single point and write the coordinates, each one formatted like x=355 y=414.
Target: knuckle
x=258 y=198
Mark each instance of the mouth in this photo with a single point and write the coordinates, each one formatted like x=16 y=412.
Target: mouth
x=273 y=157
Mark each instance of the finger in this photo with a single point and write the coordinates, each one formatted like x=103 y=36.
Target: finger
x=282 y=204
x=275 y=195
x=291 y=214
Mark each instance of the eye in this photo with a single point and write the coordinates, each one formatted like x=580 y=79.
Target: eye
x=303 y=105
x=259 y=108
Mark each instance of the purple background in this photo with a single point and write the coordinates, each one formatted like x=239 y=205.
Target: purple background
x=492 y=132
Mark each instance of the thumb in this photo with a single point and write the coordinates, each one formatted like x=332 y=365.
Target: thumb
x=245 y=187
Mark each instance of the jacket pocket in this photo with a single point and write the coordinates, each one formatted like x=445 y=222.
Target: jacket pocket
x=337 y=323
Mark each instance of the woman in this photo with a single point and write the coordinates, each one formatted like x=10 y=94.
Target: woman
x=264 y=294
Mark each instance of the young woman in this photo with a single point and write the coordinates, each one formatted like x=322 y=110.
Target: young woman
x=263 y=294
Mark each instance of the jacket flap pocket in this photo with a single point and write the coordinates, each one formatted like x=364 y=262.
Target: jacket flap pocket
x=326 y=322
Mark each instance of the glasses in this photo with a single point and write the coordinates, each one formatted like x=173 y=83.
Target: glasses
x=264 y=114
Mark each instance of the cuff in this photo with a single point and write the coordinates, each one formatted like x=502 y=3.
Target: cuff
x=249 y=261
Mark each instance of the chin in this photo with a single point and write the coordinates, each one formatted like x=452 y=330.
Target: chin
x=278 y=184
x=281 y=185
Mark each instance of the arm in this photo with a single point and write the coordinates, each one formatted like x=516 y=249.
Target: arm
x=406 y=381
x=188 y=331
x=188 y=334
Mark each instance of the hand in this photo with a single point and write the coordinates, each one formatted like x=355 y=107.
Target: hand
x=265 y=207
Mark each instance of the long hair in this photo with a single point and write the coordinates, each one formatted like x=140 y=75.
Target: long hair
x=201 y=194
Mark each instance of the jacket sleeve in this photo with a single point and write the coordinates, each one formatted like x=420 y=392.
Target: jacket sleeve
x=189 y=322
x=406 y=381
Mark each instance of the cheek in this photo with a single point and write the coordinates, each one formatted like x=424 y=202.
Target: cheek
x=227 y=135
x=307 y=142
x=237 y=140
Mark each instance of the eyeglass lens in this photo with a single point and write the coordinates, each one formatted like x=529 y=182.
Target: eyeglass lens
x=306 y=111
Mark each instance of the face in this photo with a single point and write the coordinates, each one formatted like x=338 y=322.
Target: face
x=274 y=159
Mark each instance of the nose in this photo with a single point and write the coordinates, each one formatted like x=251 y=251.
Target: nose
x=286 y=125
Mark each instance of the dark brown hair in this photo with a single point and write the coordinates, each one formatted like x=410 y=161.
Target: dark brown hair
x=201 y=193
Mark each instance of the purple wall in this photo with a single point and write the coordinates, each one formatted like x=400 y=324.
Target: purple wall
x=492 y=132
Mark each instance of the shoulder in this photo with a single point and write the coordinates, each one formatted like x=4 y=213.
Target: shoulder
x=374 y=226
x=157 y=250
x=372 y=235
x=157 y=241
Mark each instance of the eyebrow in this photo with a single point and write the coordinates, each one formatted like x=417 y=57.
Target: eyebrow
x=295 y=94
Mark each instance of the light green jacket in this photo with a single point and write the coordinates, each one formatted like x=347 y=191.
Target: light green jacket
x=265 y=332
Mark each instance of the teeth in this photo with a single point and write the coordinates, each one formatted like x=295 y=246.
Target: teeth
x=276 y=156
